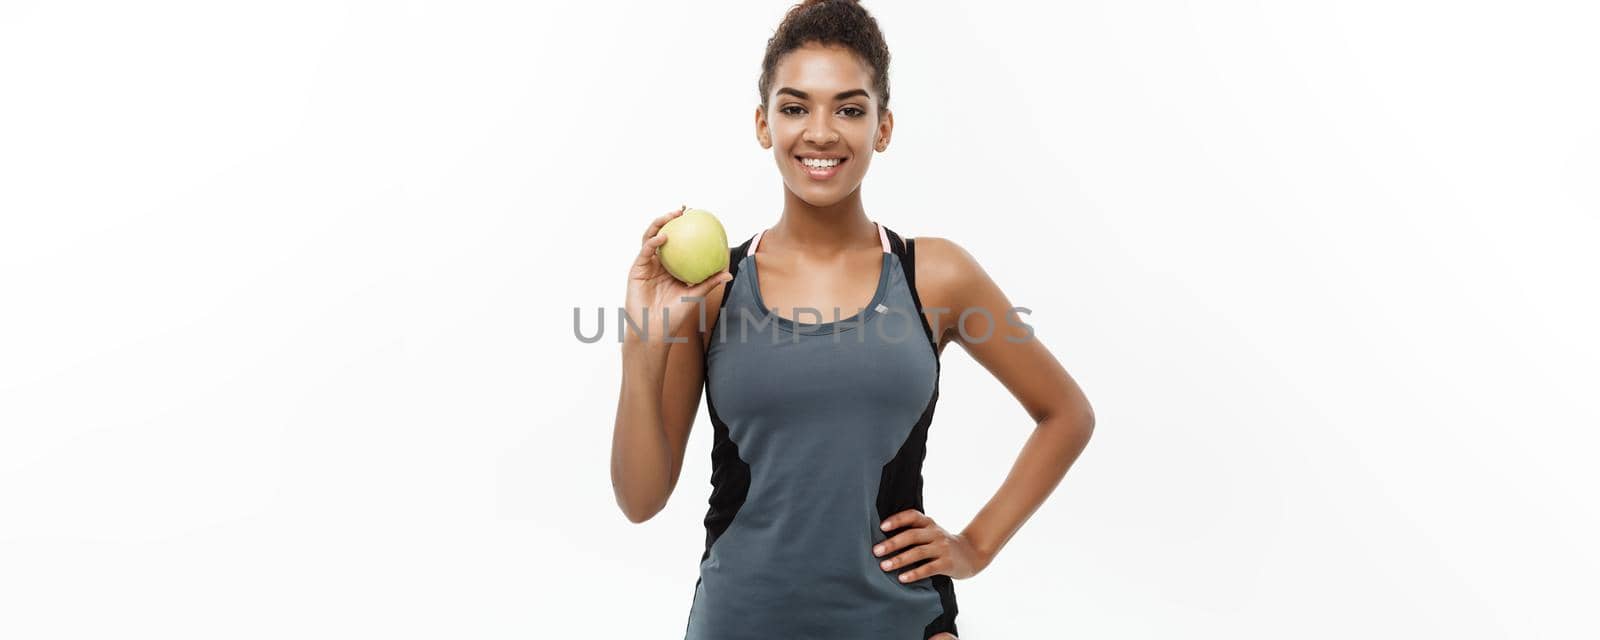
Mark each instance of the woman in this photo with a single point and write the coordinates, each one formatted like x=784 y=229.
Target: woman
x=815 y=527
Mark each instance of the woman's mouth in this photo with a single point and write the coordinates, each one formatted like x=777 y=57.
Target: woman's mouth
x=820 y=169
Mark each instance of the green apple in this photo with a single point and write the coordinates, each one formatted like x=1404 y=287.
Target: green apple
x=696 y=246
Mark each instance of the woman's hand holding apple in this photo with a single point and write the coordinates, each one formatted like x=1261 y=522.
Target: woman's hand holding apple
x=651 y=288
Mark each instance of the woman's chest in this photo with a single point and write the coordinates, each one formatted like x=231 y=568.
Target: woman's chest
x=856 y=388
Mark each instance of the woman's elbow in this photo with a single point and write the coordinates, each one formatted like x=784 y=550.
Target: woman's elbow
x=638 y=511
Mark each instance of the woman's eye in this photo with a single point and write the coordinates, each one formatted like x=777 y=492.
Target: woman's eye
x=851 y=111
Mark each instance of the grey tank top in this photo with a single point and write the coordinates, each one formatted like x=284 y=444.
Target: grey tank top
x=820 y=430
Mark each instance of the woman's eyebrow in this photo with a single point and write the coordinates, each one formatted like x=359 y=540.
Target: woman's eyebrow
x=839 y=96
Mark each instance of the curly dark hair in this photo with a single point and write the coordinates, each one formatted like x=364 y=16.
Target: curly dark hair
x=830 y=22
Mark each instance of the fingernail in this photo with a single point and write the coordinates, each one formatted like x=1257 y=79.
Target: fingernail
x=887 y=563
x=878 y=550
x=905 y=577
x=884 y=526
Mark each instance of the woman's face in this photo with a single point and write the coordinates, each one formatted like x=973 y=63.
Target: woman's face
x=822 y=107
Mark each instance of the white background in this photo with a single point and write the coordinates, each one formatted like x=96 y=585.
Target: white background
x=286 y=347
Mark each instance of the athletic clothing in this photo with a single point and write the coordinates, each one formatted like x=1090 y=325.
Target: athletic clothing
x=819 y=435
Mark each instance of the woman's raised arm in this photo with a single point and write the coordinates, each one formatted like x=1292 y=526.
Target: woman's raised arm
x=661 y=378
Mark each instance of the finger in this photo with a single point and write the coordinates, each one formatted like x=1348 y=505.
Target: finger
x=909 y=557
x=907 y=518
x=903 y=539
x=655 y=225
x=932 y=568
x=648 y=249
x=716 y=279
x=944 y=635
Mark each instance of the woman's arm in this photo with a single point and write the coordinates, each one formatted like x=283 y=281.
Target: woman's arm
x=1063 y=418
x=661 y=378
x=656 y=406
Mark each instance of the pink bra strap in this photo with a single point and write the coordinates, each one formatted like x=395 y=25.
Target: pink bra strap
x=883 y=237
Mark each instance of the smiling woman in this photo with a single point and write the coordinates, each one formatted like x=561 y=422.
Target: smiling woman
x=819 y=165
x=824 y=106
x=816 y=526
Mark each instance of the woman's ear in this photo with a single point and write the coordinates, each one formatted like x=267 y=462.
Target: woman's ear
x=762 y=135
x=885 y=131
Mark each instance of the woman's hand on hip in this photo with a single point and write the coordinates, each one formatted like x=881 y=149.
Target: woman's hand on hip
x=947 y=553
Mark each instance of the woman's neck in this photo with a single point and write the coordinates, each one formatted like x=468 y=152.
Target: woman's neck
x=823 y=231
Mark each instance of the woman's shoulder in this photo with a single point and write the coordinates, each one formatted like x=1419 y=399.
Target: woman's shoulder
x=950 y=279
x=944 y=266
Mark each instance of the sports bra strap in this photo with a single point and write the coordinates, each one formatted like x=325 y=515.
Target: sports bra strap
x=906 y=250
x=883 y=237
x=735 y=256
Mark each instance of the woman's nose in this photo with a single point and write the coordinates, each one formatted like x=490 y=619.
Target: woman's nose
x=821 y=134
x=821 y=138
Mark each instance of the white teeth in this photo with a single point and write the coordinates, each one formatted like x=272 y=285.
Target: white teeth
x=819 y=164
